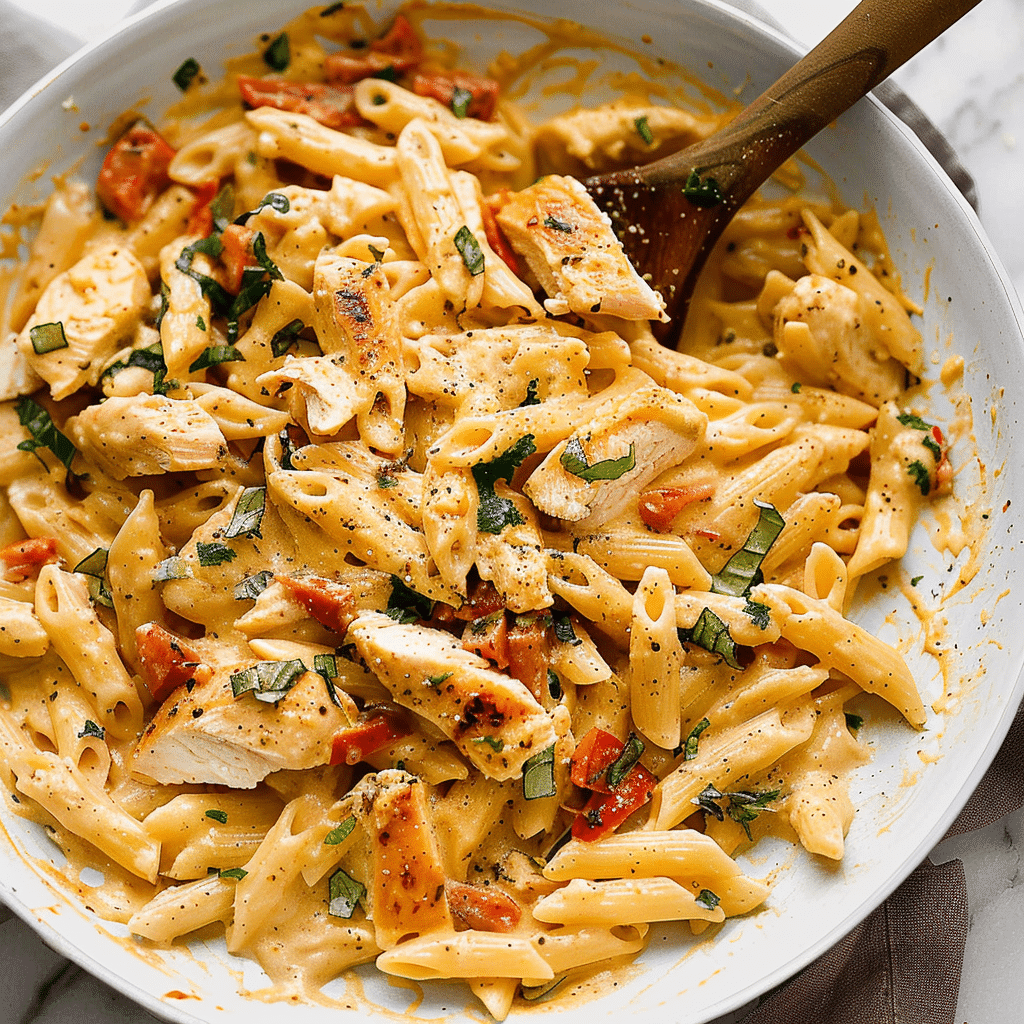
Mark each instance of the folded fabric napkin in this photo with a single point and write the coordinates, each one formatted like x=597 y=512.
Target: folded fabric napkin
x=902 y=964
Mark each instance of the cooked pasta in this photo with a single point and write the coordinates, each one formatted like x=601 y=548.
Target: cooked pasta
x=377 y=588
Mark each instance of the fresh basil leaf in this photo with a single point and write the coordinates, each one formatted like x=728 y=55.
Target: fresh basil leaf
x=186 y=73
x=707 y=899
x=711 y=633
x=344 y=894
x=908 y=419
x=623 y=764
x=214 y=554
x=252 y=586
x=558 y=225
x=539 y=775
x=702 y=192
x=643 y=129
x=707 y=800
x=338 y=835
x=47 y=338
x=36 y=420
x=691 y=746
x=554 y=685
x=563 y=629
x=267 y=680
x=405 y=605
x=237 y=874
x=277 y=55
x=275 y=200
x=760 y=614
x=214 y=356
x=286 y=337
x=94 y=568
x=854 y=722
x=470 y=251
x=92 y=729
x=919 y=472
x=325 y=665
x=173 y=568
x=248 y=514
x=461 y=99
x=496 y=743
x=743 y=570
x=438 y=679
x=222 y=207
x=531 y=394
x=574 y=460
x=221 y=816
x=494 y=512
x=743 y=808
x=259 y=250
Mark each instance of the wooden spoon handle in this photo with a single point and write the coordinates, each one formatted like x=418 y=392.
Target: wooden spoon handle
x=875 y=39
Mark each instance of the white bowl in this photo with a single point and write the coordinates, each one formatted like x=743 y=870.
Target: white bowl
x=915 y=785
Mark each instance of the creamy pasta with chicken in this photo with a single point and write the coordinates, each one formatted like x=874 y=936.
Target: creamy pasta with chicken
x=377 y=588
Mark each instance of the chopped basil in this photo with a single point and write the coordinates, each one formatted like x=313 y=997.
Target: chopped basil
x=743 y=570
x=164 y=305
x=707 y=899
x=702 y=192
x=221 y=816
x=388 y=74
x=214 y=356
x=623 y=764
x=338 y=835
x=919 y=472
x=760 y=614
x=344 y=894
x=252 y=586
x=325 y=665
x=574 y=460
x=707 y=800
x=47 y=338
x=711 y=633
x=470 y=251
x=558 y=225
x=214 y=554
x=277 y=55
x=36 y=420
x=933 y=446
x=275 y=200
x=149 y=358
x=643 y=129
x=461 y=99
x=915 y=580
x=496 y=743
x=267 y=680
x=853 y=722
x=200 y=323
x=531 y=394
x=248 y=514
x=377 y=254
x=563 y=629
x=222 y=207
x=554 y=685
x=286 y=337
x=172 y=568
x=690 y=747
x=439 y=678
x=495 y=512
x=259 y=250
x=186 y=73
x=908 y=419
x=288 y=449
x=94 y=568
x=743 y=808
x=92 y=729
x=539 y=775
x=405 y=605
x=235 y=873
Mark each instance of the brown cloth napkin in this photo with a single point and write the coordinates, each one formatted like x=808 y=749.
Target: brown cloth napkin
x=902 y=964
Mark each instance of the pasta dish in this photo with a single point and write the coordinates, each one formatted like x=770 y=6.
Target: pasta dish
x=376 y=587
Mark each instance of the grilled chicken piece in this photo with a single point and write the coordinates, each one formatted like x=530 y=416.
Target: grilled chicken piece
x=569 y=245
x=97 y=303
x=142 y=436
x=824 y=339
x=492 y=718
x=591 y=476
x=207 y=735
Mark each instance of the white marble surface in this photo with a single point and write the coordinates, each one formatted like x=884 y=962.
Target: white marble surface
x=971 y=84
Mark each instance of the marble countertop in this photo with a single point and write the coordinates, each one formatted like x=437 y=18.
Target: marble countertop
x=971 y=84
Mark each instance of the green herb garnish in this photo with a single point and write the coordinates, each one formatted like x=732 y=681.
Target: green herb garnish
x=623 y=764
x=554 y=685
x=405 y=605
x=574 y=460
x=214 y=554
x=495 y=512
x=702 y=192
x=707 y=899
x=461 y=99
x=214 y=356
x=496 y=743
x=92 y=729
x=277 y=55
x=643 y=129
x=711 y=633
x=531 y=394
x=853 y=722
x=563 y=629
x=558 y=225
x=94 y=568
x=919 y=472
x=47 y=338
x=173 y=568
x=470 y=251
x=268 y=681
x=344 y=894
x=186 y=73
x=252 y=586
x=36 y=420
x=690 y=747
x=743 y=570
x=221 y=816
x=248 y=514
x=539 y=775
x=338 y=835
x=237 y=874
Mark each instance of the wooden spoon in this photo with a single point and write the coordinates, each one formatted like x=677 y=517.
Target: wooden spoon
x=668 y=228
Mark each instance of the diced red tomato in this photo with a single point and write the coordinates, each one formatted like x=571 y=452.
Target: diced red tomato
x=332 y=604
x=658 y=508
x=167 y=661
x=594 y=755
x=353 y=745
x=529 y=654
x=604 y=812
x=484 y=908
x=441 y=85
x=200 y=221
x=331 y=105
x=488 y=637
x=236 y=254
x=398 y=50
x=496 y=237
x=24 y=558
x=134 y=172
